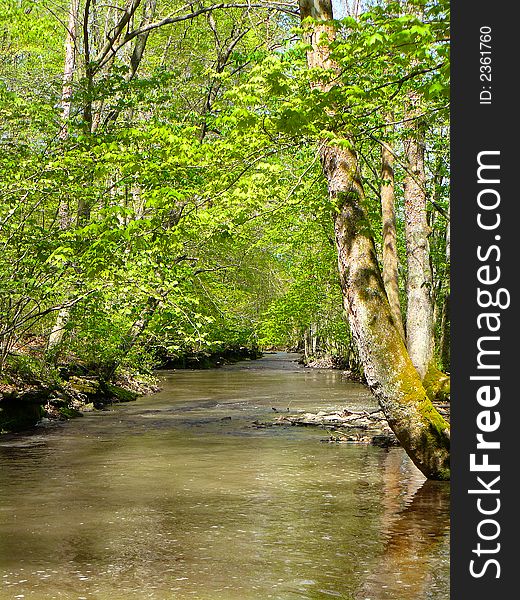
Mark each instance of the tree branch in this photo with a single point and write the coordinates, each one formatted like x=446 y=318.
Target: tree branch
x=109 y=50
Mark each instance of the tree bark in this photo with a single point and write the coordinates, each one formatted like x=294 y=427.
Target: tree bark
x=419 y=315
x=422 y=431
x=64 y=218
x=444 y=344
x=69 y=69
x=445 y=334
x=136 y=57
x=58 y=329
x=136 y=330
x=390 y=256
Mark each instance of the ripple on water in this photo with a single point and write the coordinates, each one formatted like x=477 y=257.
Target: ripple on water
x=164 y=499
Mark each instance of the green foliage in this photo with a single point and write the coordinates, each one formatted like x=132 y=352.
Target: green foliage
x=32 y=370
x=190 y=215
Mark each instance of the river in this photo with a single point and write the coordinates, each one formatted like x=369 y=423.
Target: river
x=177 y=496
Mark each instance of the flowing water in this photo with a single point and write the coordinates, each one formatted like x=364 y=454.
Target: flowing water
x=177 y=496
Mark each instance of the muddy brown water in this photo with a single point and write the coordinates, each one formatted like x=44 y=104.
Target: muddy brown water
x=176 y=496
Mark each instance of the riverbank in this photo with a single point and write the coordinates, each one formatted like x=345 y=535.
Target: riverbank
x=343 y=425
x=32 y=391
x=334 y=362
x=348 y=426
x=27 y=402
x=24 y=403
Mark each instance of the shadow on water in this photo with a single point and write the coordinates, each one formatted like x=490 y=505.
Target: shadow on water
x=176 y=496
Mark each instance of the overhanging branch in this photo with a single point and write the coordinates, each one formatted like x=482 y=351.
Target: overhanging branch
x=110 y=48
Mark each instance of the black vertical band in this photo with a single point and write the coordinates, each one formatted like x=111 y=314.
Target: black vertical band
x=484 y=328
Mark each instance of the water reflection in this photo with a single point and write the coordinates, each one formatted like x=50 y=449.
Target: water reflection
x=415 y=526
x=163 y=499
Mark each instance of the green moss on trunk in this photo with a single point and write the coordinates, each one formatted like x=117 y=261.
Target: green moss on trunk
x=437 y=384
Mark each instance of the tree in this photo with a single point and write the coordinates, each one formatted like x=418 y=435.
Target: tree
x=181 y=139
x=390 y=373
x=419 y=314
x=419 y=284
x=390 y=256
x=121 y=150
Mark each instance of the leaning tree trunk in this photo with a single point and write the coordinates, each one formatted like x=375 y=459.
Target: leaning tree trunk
x=390 y=256
x=444 y=350
x=390 y=373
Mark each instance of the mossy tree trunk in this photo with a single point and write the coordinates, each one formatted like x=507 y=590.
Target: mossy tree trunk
x=390 y=373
